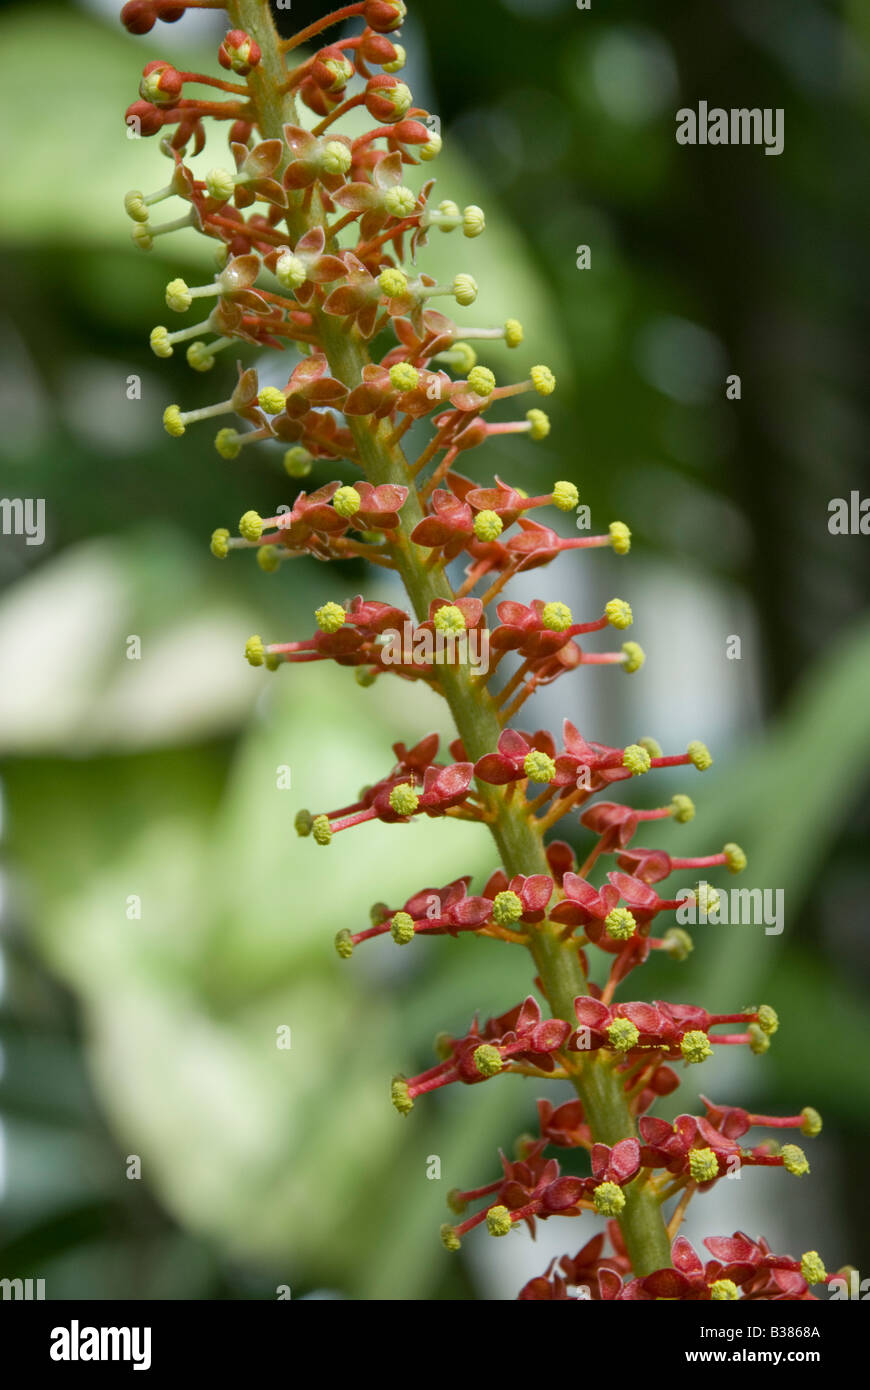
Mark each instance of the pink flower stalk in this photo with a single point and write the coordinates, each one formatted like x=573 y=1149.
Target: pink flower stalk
x=317 y=232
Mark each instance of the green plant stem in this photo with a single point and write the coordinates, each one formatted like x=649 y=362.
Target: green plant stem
x=519 y=841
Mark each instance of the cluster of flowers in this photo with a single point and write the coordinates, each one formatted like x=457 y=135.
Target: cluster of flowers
x=313 y=230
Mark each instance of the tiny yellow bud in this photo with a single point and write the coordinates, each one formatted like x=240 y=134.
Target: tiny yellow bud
x=432 y=147
x=251 y=526
x=336 y=158
x=303 y=824
x=268 y=558
x=228 y=443
x=347 y=501
x=652 y=746
x=159 y=342
x=398 y=62
x=622 y=1034
x=172 y=421
x=290 y=271
x=812 y=1267
x=618 y=613
x=400 y=201
x=794 y=1160
x=507 y=908
x=393 y=282
x=538 y=766
x=135 y=206
x=271 y=400
x=620 y=537
x=695 y=1046
x=678 y=944
x=404 y=799
x=199 y=357
x=636 y=759
x=565 y=497
x=220 y=184
x=488 y=526
x=608 y=1199
x=449 y=1239
x=464 y=289
x=812 y=1122
x=620 y=924
x=487 y=1059
x=735 y=859
x=178 y=296
x=634 y=655
x=724 y=1289
x=219 y=543
x=543 y=380
x=703 y=1165
x=449 y=619
x=402 y=928
x=473 y=221
x=404 y=377
x=297 y=462
x=481 y=381
x=401 y=1098
x=344 y=943
x=557 y=616
x=513 y=333
x=141 y=236
x=768 y=1019
x=699 y=755
x=321 y=830
x=498 y=1221
x=330 y=617
x=682 y=808
x=255 y=652
x=540 y=424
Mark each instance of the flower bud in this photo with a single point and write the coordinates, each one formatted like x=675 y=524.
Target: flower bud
x=634 y=657
x=161 y=84
x=622 y=1034
x=290 y=271
x=384 y=15
x=543 y=381
x=220 y=184
x=297 y=462
x=464 y=290
x=330 y=617
x=135 y=207
x=473 y=221
x=178 y=296
x=620 y=924
x=608 y=1199
x=387 y=100
x=239 y=52
x=336 y=158
x=271 y=400
x=481 y=381
x=540 y=424
x=498 y=1221
x=618 y=613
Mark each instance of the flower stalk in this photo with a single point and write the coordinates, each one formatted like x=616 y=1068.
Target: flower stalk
x=307 y=184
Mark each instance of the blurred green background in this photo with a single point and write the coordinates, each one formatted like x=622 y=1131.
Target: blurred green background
x=158 y=778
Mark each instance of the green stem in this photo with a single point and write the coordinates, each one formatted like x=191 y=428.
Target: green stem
x=519 y=842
